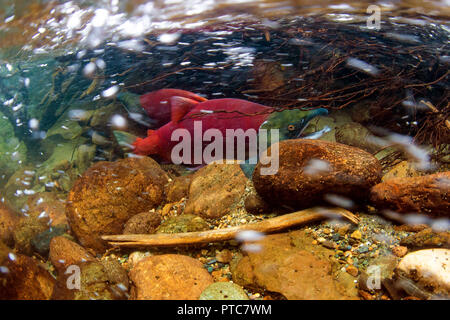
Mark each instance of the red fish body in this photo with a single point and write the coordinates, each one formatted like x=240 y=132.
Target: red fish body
x=220 y=114
x=157 y=104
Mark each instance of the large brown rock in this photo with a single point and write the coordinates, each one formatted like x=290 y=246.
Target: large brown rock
x=301 y=183
x=215 y=190
x=8 y=223
x=287 y=264
x=110 y=193
x=64 y=253
x=21 y=278
x=169 y=277
x=427 y=194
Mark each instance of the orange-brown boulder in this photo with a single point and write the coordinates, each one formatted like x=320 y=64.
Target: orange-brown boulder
x=22 y=278
x=286 y=263
x=428 y=194
x=310 y=169
x=169 y=277
x=110 y=193
x=64 y=253
x=215 y=190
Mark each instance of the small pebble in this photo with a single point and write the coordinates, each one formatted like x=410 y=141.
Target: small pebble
x=363 y=249
x=400 y=251
x=356 y=235
x=224 y=256
x=352 y=270
x=336 y=237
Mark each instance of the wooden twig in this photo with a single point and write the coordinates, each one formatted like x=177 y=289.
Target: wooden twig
x=267 y=226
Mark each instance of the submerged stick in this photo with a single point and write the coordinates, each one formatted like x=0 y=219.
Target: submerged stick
x=266 y=226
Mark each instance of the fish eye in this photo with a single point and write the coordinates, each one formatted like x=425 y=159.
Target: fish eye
x=291 y=127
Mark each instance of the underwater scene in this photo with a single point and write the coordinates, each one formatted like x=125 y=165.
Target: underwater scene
x=224 y=150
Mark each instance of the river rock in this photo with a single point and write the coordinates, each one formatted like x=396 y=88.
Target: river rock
x=135 y=257
x=27 y=229
x=223 y=291
x=426 y=194
x=101 y=117
x=178 y=188
x=8 y=223
x=17 y=189
x=215 y=190
x=427 y=238
x=117 y=275
x=94 y=284
x=354 y=134
x=169 y=277
x=65 y=127
x=58 y=172
x=64 y=253
x=13 y=152
x=108 y=194
x=83 y=157
x=22 y=278
x=254 y=204
x=53 y=204
x=142 y=223
x=183 y=223
x=290 y=265
x=41 y=242
x=403 y=169
x=430 y=268
x=310 y=169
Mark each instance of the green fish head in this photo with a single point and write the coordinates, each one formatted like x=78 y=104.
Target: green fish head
x=291 y=123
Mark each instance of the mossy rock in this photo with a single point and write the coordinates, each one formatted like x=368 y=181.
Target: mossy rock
x=13 y=152
x=183 y=223
x=13 y=190
x=60 y=166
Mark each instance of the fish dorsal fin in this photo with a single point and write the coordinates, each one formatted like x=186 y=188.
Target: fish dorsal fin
x=180 y=107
